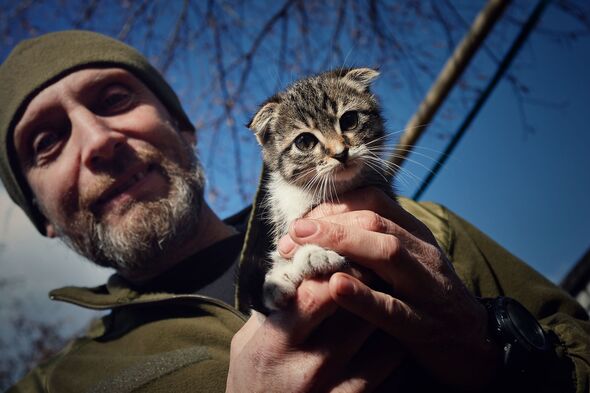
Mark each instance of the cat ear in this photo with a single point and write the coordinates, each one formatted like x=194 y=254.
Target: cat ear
x=259 y=123
x=361 y=77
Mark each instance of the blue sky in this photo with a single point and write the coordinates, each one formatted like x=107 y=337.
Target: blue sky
x=526 y=189
x=529 y=190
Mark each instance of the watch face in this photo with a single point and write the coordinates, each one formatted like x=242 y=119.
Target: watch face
x=526 y=325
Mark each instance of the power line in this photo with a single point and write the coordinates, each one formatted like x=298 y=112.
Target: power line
x=502 y=68
x=451 y=72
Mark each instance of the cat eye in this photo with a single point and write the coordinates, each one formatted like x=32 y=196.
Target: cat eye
x=305 y=141
x=349 y=120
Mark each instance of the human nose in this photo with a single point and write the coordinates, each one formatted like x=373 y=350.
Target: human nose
x=98 y=141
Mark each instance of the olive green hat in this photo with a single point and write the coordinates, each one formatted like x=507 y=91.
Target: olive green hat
x=37 y=63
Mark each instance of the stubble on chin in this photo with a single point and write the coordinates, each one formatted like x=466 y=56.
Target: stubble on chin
x=146 y=230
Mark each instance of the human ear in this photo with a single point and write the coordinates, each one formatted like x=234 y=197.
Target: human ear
x=50 y=230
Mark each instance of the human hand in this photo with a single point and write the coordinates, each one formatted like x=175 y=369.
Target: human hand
x=311 y=346
x=428 y=310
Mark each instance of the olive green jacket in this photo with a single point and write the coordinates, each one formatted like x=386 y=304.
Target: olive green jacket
x=161 y=342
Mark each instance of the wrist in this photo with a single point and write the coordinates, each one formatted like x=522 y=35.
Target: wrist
x=520 y=342
x=486 y=362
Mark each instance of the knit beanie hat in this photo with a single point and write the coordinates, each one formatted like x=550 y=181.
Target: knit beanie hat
x=37 y=63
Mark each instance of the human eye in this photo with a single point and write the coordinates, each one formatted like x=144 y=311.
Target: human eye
x=45 y=145
x=115 y=99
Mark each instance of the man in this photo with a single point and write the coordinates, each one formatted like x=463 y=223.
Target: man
x=93 y=148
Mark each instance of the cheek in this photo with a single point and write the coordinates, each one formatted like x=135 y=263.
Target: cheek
x=295 y=166
x=147 y=122
x=148 y=127
x=53 y=188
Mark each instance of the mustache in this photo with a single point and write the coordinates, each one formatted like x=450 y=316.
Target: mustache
x=111 y=171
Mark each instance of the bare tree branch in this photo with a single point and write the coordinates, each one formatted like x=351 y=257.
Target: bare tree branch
x=130 y=21
x=174 y=41
x=87 y=14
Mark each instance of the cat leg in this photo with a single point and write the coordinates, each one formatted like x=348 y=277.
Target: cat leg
x=279 y=286
x=285 y=276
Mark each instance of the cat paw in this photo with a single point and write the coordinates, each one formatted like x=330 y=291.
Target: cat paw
x=278 y=289
x=311 y=260
x=281 y=282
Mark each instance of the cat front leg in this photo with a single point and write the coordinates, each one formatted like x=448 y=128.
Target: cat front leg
x=280 y=283
x=282 y=280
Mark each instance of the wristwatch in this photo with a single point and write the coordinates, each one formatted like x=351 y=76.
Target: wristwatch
x=523 y=342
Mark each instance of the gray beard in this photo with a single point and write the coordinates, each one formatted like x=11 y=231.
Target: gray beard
x=140 y=243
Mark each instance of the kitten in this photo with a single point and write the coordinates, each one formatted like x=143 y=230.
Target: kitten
x=320 y=138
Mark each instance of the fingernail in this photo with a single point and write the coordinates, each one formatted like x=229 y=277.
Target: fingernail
x=304 y=228
x=345 y=287
x=286 y=245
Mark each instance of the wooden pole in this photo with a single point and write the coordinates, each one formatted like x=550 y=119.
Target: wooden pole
x=450 y=73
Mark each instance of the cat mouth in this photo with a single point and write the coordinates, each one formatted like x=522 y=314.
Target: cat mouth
x=345 y=172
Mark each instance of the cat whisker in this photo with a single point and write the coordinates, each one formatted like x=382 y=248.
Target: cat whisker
x=411 y=148
x=416 y=150
x=416 y=153
x=391 y=169
x=377 y=141
x=334 y=190
x=395 y=146
x=378 y=169
x=400 y=173
x=409 y=128
x=403 y=174
x=312 y=184
x=418 y=163
x=305 y=174
x=383 y=167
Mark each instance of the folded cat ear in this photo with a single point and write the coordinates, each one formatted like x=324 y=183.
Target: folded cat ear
x=361 y=77
x=260 y=122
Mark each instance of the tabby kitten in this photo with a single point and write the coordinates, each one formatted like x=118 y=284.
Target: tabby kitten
x=320 y=138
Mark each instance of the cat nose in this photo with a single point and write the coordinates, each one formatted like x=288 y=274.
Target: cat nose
x=341 y=156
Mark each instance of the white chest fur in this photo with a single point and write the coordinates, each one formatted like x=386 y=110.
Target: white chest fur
x=287 y=202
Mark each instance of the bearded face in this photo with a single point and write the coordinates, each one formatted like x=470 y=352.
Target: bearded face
x=146 y=229
x=112 y=172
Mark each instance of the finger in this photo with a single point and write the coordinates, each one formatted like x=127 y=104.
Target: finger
x=383 y=253
x=311 y=306
x=364 y=219
x=369 y=198
x=377 y=361
x=287 y=247
x=374 y=199
x=384 y=311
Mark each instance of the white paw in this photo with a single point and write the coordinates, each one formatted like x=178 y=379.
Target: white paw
x=279 y=287
x=311 y=260
x=282 y=280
